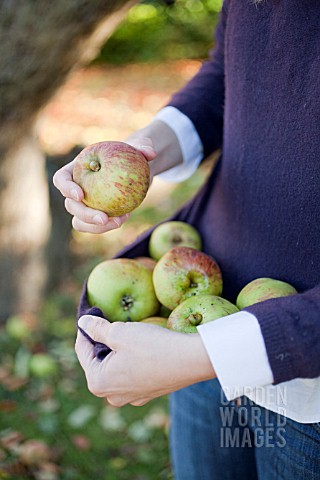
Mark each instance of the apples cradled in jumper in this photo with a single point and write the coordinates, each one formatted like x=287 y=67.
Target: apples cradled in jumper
x=146 y=261
x=183 y=272
x=198 y=310
x=114 y=177
x=173 y=234
x=261 y=289
x=123 y=289
x=160 y=321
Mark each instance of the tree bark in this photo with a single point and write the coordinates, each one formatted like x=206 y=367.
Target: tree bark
x=59 y=259
x=40 y=44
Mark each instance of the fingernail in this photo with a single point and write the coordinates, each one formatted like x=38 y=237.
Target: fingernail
x=124 y=218
x=117 y=222
x=98 y=220
x=74 y=194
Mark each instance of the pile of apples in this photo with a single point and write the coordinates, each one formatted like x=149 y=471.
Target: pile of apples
x=178 y=286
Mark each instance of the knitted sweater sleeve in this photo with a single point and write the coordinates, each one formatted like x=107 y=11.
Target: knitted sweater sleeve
x=291 y=330
x=202 y=99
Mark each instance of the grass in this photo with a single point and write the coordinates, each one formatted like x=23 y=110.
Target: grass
x=83 y=437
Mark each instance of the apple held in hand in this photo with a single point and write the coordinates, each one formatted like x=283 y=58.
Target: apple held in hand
x=262 y=289
x=114 y=177
x=198 y=310
x=183 y=272
x=122 y=288
x=173 y=234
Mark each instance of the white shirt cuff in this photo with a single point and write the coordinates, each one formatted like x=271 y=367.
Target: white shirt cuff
x=237 y=352
x=190 y=144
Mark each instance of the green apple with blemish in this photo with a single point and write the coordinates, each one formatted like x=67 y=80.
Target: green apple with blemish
x=262 y=289
x=173 y=234
x=114 y=177
x=198 y=310
x=123 y=289
x=183 y=272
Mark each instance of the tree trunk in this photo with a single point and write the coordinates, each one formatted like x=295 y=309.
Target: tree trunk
x=59 y=259
x=40 y=43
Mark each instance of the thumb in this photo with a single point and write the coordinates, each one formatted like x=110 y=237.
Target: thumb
x=84 y=351
x=95 y=327
x=145 y=146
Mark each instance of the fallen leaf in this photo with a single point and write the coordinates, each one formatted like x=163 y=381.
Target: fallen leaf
x=81 y=442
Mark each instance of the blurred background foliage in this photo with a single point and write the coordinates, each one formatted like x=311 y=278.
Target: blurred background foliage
x=157 y=30
x=51 y=427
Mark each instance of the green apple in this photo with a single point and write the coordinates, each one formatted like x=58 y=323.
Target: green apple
x=160 y=321
x=183 y=272
x=17 y=327
x=21 y=326
x=42 y=365
x=173 y=234
x=198 y=310
x=123 y=289
x=114 y=177
x=262 y=289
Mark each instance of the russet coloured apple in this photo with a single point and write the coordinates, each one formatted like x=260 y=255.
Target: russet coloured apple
x=114 y=177
x=183 y=272
x=262 y=289
x=198 y=310
x=123 y=289
x=173 y=234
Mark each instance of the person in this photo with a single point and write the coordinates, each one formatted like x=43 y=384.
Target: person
x=245 y=390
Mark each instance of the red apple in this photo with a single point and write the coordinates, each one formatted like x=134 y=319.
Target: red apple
x=123 y=289
x=198 y=310
x=183 y=272
x=262 y=289
x=114 y=177
x=173 y=234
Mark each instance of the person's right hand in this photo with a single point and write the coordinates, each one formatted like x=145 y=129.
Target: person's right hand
x=146 y=361
x=86 y=219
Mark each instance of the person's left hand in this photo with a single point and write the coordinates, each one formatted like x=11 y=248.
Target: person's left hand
x=147 y=361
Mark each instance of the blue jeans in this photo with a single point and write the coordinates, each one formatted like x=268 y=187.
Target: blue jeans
x=213 y=439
